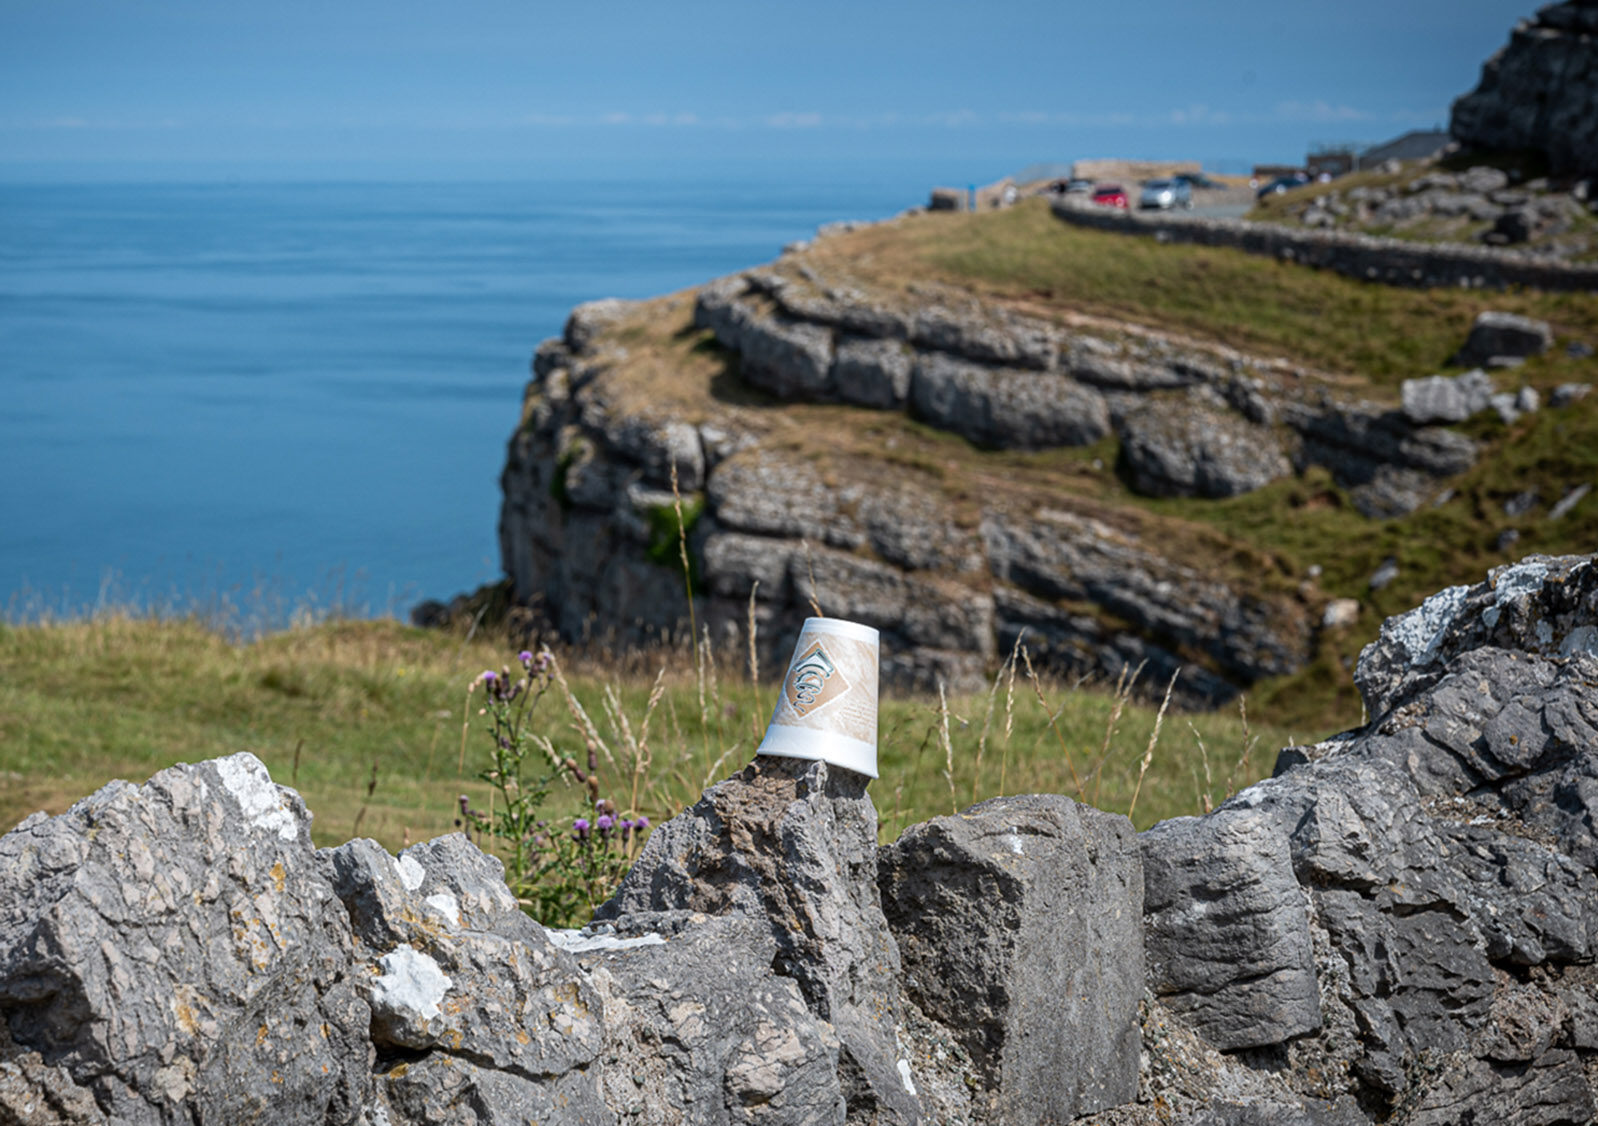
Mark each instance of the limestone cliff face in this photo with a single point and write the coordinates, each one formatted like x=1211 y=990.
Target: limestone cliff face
x=1540 y=92
x=906 y=459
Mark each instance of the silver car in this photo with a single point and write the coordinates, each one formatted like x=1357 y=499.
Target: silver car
x=1166 y=194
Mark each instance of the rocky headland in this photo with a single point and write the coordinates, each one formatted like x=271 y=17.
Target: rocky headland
x=1400 y=927
x=958 y=469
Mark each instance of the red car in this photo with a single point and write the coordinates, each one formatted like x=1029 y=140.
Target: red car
x=1110 y=195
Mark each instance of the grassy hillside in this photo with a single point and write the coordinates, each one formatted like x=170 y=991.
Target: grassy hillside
x=330 y=707
x=1379 y=335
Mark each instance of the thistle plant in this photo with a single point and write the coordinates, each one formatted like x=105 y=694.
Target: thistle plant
x=559 y=866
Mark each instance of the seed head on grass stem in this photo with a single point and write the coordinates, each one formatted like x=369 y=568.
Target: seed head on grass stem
x=1154 y=737
x=948 y=747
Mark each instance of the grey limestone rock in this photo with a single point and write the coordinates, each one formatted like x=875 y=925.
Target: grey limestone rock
x=985 y=336
x=1172 y=447
x=471 y=1003
x=32 y=1094
x=1018 y=928
x=1004 y=407
x=1055 y=554
x=1567 y=393
x=1228 y=929
x=792 y=844
x=1442 y=398
x=1539 y=92
x=734 y=563
x=1279 y=1112
x=780 y=494
x=659 y=446
x=698 y=1029
x=924 y=611
x=1543 y=604
x=588 y=321
x=791 y=359
x=168 y=946
x=1102 y=364
x=1496 y=334
x=1446 y=852
x=872 y=373
x=1389 y=465
x=1072 y=644
x=1551 y=1091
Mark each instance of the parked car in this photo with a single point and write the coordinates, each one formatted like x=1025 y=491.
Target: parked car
x=1079 y=187
x=1166 y=194
x=1197 y=180
x=1282 y=184
x=1110 y=195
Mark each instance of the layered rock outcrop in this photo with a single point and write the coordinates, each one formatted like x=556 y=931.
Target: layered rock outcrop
x=1540 y=91
x=848 y=498
x=1400 y=926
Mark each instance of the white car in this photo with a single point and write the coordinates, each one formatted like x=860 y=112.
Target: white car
x=1166 y=194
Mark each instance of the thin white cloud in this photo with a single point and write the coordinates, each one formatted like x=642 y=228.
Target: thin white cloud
x=954 y=119
x=1318 y=111
x=793 y=120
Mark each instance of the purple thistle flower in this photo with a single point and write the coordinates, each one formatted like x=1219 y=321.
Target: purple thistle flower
x=525 y=657
x=605 y=823
x=489 y=676
x=642 y=823
x=580 y=829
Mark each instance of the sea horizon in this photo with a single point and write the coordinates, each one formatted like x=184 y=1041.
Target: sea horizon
x=251 y=400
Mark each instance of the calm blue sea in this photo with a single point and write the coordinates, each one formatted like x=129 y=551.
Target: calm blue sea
x=246 y=398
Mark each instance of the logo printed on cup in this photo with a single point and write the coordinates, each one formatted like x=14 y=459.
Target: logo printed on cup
x=814 y=681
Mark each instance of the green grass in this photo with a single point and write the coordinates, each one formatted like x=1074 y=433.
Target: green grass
x=323 y=706
x=1326 y=322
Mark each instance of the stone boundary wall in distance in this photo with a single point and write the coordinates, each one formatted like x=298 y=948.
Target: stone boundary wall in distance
x=1385 y=260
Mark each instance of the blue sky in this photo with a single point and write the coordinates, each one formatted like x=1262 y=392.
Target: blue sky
x=400 y=87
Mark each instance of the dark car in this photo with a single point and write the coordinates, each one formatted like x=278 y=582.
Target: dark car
x=1197 y=180
x=1282 y=184
x=1110 y=195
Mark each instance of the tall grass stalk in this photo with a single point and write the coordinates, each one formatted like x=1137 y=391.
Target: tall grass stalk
x=948 y=747
x=1154 y=737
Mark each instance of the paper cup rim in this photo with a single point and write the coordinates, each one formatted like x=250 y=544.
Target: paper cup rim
x=844 y=627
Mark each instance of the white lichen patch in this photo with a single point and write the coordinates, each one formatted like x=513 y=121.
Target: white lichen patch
x=411 y=873
x=444 y=904
x=576 y=942
x=411 y=983
x=1520 y=580
x=1012 y=841
x=1421 y=630
x=1582 y=639
x=1515 y=583
x=904 y=1077
x=259 y=798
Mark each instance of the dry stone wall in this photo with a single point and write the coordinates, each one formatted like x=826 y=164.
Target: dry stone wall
x=1401 y=926
x=1387 y=261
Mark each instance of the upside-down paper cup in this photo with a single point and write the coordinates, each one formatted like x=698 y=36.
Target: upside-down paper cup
x=827 y=708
